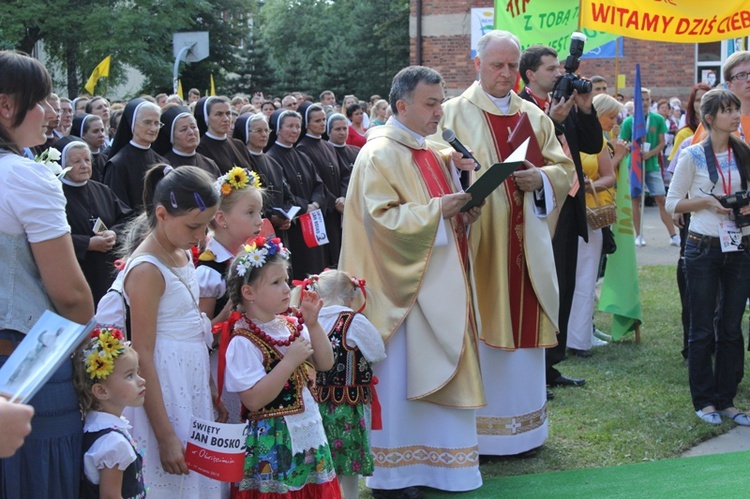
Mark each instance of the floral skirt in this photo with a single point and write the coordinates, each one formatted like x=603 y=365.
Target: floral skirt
x=272 y=468
x=348 y=431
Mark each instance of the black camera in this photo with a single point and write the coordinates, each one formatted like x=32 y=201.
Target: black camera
x=735 y=202
x=570 y=81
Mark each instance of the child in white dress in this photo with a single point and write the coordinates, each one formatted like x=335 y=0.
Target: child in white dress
x=168 y=330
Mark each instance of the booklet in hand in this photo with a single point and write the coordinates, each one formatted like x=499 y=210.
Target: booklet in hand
x=525 y=132
x=42 y=351
x=288 y=214
x=495 y=176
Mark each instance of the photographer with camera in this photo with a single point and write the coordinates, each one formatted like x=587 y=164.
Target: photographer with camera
x=578 y=129
x=714 y=175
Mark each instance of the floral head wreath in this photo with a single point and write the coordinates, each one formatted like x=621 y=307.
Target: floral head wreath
x=257 y=251
x=237 y=179
x=106 y=344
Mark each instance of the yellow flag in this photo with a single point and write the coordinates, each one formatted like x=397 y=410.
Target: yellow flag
x=101 y=70
x=179 y=89
x=683 y=21
x=213 y=87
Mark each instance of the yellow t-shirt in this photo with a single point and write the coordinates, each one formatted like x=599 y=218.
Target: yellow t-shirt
x=590 y=163
x=682 y=134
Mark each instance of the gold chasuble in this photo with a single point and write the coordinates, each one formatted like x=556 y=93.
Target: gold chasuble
x=514 y=268
x=417 y=272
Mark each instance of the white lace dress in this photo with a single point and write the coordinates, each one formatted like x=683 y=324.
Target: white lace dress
x=181 y=359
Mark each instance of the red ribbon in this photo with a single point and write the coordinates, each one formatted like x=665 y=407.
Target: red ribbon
x=360 y=283
x=225 y=331
x=377 y=419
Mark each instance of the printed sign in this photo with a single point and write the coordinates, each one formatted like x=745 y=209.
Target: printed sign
x=546 y=22
x=678 y=21
x=313 y=229
x=216 y=450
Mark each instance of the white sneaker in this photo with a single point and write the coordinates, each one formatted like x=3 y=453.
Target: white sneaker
x=674 y=240
x=640 y=241
x=602 y=335
x=596 y=342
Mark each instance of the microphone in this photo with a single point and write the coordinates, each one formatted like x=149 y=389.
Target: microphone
x=450 y=137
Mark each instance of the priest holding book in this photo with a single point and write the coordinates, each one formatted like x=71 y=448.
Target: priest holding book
x=513 y=263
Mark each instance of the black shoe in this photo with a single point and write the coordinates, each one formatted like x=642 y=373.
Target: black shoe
x=585 y=354
x=406 y=493
x=565 y=381
x=550 y=395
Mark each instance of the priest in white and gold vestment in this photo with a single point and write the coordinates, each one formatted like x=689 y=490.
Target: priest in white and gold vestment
x=514 y=267
x=404 y=235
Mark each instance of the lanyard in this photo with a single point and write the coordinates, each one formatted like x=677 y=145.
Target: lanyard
x=727 y=185
x=742 y=134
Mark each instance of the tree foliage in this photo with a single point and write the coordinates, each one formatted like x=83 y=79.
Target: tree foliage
x=348 y=46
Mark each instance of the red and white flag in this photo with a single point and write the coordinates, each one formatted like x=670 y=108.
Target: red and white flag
x=313 y=228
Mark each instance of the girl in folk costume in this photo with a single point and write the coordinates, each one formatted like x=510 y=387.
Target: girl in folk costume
x=107 y=381
x=238 y=218
x=287 y=452
x=346 y=393
x=169 y=332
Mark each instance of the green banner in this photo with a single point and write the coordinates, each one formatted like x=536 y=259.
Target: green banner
x=620 y=295
x=546 y=22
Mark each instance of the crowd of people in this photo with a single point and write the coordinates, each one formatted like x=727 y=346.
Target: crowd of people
x=193 y=228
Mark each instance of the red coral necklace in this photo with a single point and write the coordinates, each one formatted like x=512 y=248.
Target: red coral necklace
x=272 y=341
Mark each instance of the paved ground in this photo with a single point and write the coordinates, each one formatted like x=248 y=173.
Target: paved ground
x=658 y=252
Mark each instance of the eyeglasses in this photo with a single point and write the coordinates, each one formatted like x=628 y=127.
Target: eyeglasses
x=290 y=104
x=259 y=130
x=740 y=76
x=151 y=123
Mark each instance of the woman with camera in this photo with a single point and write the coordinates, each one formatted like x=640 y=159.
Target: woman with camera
x=717 y=271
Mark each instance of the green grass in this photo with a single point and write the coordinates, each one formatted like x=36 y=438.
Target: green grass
x=636 y=404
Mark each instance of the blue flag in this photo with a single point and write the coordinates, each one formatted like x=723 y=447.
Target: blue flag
x=639 y=131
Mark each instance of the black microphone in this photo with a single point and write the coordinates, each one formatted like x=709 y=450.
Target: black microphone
x=450 y=137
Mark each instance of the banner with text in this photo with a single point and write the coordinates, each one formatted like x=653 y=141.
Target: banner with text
x=216 y=450
x=546 y=22
x=678 y=21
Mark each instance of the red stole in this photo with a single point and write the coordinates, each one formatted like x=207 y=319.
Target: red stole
x=438 y=184
x=525 y=312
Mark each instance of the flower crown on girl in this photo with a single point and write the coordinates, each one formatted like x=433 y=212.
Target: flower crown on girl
x=257 y=251
x=106 y=344
x=237 y=179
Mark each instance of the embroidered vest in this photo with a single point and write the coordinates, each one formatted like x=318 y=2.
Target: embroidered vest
x=348 y=381
x=132 y=478
x=289 y=401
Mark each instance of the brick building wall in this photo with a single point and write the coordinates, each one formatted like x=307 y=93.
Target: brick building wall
x=668 y=69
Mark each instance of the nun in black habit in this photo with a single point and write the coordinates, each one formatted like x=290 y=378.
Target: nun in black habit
x=95 y=215
x=179 y=138
x=337 y=131
x=253 y=130
x=323 y=156
x=214 y=118
x=90 y=128
x=307 y=189
x=131 y=154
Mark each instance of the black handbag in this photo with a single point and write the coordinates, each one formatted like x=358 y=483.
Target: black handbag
x=608 y=241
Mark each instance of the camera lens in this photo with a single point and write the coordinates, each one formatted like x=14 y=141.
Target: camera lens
x=583 y=86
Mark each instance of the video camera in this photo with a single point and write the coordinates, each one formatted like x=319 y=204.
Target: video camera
x=735 y=202
x=570 y=81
